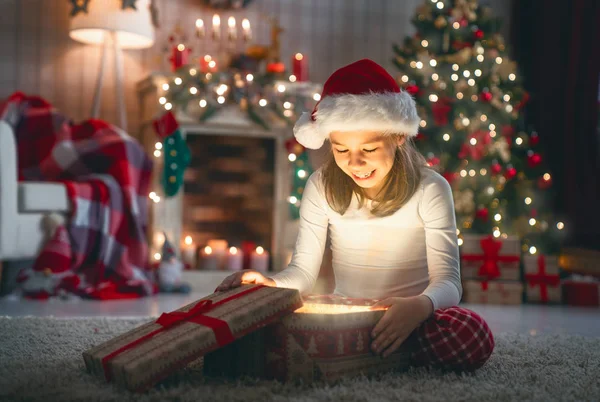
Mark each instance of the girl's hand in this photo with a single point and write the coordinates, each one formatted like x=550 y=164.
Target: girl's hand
x=403 y=316
x=243 y=277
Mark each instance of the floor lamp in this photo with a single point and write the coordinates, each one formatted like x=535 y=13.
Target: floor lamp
x=106 y=23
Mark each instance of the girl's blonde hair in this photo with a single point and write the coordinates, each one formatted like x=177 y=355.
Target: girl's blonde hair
x=400 y=184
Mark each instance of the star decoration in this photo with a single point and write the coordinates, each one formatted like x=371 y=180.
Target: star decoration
x=79 y=6
x=129 y=4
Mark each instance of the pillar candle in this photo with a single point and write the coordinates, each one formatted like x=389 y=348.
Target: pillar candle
x=235 y=259
x=188 y=253
x=219 y=248
x=208 y=260
x=179 y=56
x=300 y=67
x=259 y=260
x=247 y=248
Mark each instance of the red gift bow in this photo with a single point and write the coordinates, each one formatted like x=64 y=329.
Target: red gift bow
x=165 y=125
x=491 y=249
x=542 y=279
x=195 y=314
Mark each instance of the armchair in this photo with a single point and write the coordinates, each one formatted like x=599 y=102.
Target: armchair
x=23 y=204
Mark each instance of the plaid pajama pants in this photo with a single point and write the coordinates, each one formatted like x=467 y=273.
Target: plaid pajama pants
x=453 y=338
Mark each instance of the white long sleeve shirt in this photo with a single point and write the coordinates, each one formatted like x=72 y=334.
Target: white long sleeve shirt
x=411 y=252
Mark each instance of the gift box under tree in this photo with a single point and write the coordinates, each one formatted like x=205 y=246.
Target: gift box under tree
x=542 y=279
x=492 y=292
x=328 y=338
x=581 y=290
x=487 y=258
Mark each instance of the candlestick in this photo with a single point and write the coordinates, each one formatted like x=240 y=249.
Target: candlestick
x=235 y=259
x=232 y=34
x=188 y=253
x=246 y=32
x=200 y=31
x=216 y=27
x=259 y=260
x=300 y=67
x=209 y=261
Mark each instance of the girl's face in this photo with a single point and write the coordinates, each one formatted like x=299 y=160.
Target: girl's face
x=366 y=156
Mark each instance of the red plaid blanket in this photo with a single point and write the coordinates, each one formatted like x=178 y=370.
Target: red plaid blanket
x=107 y=176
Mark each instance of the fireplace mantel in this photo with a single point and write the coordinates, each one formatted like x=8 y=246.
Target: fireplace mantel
x=166 y=215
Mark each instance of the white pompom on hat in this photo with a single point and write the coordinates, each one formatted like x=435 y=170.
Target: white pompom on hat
x=359 y=96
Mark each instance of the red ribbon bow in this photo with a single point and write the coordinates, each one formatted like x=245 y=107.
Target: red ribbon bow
x=542 y=279
x=491 y=250
x=196 y=315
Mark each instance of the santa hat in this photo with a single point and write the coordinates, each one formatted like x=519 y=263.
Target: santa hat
x=168 y=251
x=359 y=96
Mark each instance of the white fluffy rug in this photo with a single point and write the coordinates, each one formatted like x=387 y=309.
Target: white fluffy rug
x=40 y=359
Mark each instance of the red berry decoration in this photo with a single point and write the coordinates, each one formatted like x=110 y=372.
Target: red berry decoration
x=478 y=34
x=433 y=161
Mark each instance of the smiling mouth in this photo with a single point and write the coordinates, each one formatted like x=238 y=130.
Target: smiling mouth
x=364 y=176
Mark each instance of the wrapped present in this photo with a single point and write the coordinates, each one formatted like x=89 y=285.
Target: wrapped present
x=328 y=338
x=492 y=292
x=580 y=261
x=581 y=290
x=542 y=279
x=488 y=258
x=148 y=354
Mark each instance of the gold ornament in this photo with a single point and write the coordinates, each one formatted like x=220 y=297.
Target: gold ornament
x=172 y=179
x=440 y=22
x=173 y=152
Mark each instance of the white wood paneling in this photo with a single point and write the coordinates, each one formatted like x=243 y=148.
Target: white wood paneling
x=38 y=57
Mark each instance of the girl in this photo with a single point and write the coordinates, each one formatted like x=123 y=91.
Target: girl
x=390 y=219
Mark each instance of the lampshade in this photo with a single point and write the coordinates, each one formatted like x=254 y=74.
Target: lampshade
x=133 y=27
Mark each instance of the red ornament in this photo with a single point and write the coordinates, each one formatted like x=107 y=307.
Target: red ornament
x=510 y=173
x=440 y=111
x=449 y=176
x=478 y=34
x=179 y=56
x=420 y=136
x=485 y=96
x=534 y=139
x=534 y=160
x=496 y=168
x=477 y=151
x=482 y=214
x=413 y=90
x=533 y=212
x=508 y=132
x=458 y=44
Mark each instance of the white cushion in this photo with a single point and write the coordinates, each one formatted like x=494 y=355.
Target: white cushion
x=42 y=197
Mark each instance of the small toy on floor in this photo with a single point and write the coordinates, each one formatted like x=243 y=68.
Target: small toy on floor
x=170 y=271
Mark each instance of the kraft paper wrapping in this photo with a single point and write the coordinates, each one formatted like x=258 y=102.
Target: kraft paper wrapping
x=542 y=281
x=492 y=292
x=172 y=349
x=511 y=246
x=309 y=347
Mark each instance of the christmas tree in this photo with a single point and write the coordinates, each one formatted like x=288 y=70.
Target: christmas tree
x=470 y=96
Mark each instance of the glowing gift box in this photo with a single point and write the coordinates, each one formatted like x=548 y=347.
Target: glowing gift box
x=326 y=339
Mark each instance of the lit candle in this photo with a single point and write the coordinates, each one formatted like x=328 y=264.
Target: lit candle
x=259 y=260
x=179 y=56
x=300 y=67
x=200 y=32
x=188 y=253
x=246 y=32
x=232 y=33
x=219 y=249
x=216 y=26
x=209 y=261
x=235 y=259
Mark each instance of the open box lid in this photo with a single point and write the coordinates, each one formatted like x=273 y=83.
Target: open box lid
x=147 y=354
